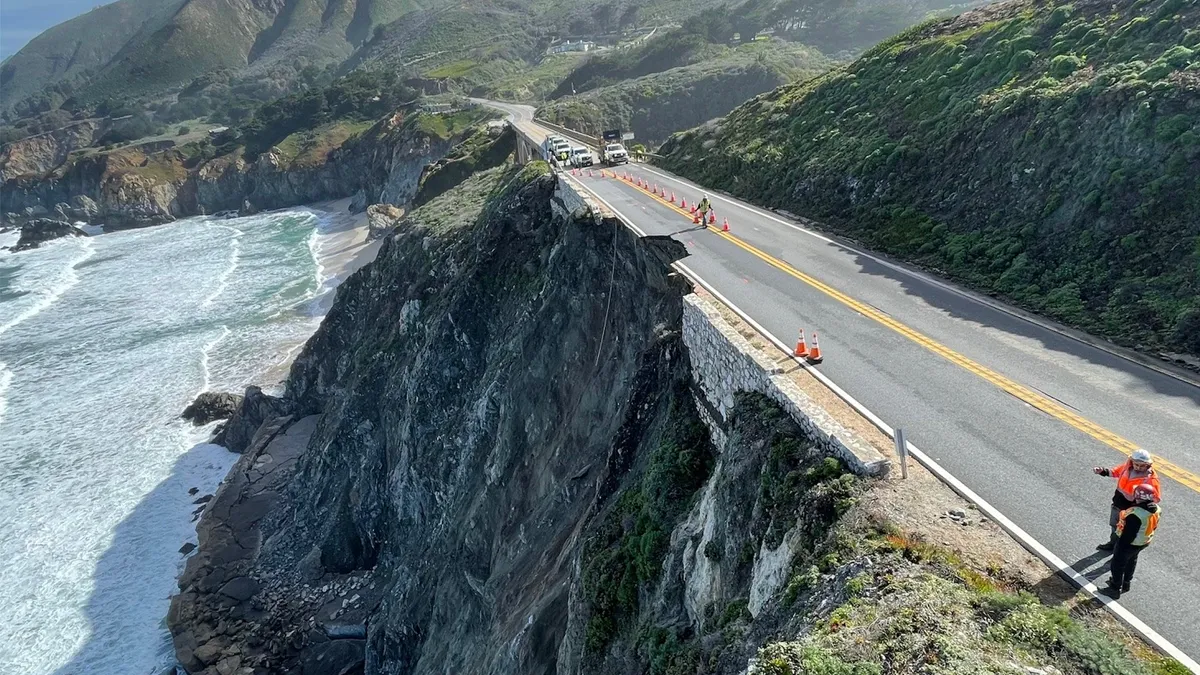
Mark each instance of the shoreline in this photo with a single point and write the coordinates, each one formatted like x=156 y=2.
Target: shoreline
x=343 y=249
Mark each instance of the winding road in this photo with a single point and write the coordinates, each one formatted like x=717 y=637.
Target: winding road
x=1014 y=406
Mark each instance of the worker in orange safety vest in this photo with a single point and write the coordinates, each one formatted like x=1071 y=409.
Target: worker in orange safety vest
x=1137 y=470
x=1135 y=531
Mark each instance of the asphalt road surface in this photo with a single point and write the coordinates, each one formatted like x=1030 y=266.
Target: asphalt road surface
x=1012 y=407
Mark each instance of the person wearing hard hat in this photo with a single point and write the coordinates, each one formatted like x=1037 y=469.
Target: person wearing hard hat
x=1137 y=470
x=1135 y=531
x=702 y=208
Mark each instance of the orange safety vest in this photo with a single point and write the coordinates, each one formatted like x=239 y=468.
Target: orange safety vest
x=1126 y=482
x=1149 y=524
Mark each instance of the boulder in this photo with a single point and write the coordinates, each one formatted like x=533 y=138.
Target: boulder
x=256 y=408
x=240 y=588
x=41 y=230
x=210 y=407
x=381 y=218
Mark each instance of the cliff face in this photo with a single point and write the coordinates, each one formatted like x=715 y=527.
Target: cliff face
x=146 y=185
x=478 y=388
x=42 y=153
x=490 y=459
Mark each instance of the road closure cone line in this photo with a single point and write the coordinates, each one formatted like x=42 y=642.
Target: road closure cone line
x=801 y=350
x=814 y=354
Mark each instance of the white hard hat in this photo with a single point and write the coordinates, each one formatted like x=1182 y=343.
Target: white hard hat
x=1141 y=455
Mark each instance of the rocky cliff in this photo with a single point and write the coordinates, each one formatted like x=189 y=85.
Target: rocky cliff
x=146 y=185
x=490 y=459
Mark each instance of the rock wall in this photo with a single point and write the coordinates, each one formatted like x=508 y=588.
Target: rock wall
x=40 y=154
x=725 y=364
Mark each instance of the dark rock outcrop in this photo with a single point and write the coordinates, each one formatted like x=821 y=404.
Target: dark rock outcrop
x=210 y=407
x=254 y=409
x=473 y=393
x=36 y=232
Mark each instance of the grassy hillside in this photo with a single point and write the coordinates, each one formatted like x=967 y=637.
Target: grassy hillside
x=1048 y=153
x=655 y=106
x=71 y=50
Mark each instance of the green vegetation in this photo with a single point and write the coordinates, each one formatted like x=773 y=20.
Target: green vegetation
x=311 y=147
x=627 y=551
x=657 y=105
x=358 y=97
x=919 y=606
x=479 y=151
x=1049 y=154
x=462 y=206
x=536 y=82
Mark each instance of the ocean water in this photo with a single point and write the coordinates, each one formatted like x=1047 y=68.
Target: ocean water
x=103 y=341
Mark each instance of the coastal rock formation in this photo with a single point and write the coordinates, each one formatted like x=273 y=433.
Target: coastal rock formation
x=210 y=407
x=253 y=410
x=149 y=184
x=42 y=153
x=41 y=230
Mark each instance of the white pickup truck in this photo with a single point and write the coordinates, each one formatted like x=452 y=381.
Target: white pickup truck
x=581 y=157
x=613 y=154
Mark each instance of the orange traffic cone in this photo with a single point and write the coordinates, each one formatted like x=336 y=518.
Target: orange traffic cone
x=683 y=203
x=801 y=348
x=696 y=219
x=814 y=354
x=712 y=218
x=672 y=197
x=725 y=225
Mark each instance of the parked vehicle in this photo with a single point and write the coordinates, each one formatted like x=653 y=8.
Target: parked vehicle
x=613 y=154
x=581 y=157
x=562 y=151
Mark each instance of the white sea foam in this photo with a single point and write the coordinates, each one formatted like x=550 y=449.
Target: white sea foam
x=235 y=254
x=50 y=274
x=5 y=380
x=95 y=466
x=206 y=356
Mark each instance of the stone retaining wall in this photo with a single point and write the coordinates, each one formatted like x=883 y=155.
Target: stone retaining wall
x=724 y=363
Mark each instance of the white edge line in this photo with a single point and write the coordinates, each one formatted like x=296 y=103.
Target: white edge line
x=938 y=283
x=1028 y=542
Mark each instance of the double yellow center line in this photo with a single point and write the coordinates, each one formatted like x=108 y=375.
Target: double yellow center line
x=1021 y=392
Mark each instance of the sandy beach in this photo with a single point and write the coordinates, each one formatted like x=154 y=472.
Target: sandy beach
x=345 y=248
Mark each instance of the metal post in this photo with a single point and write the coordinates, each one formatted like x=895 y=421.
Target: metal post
x=902 y=451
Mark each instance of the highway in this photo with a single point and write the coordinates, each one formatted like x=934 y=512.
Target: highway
x=1011 y=406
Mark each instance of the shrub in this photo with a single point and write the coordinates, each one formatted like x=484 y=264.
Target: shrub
x=791 y=658
x=1063 y=65
x=183 y=131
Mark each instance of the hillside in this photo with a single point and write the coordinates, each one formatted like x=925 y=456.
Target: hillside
x=132 y=47
x=657 y=105
x=77 y=47
x=1046 y=153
